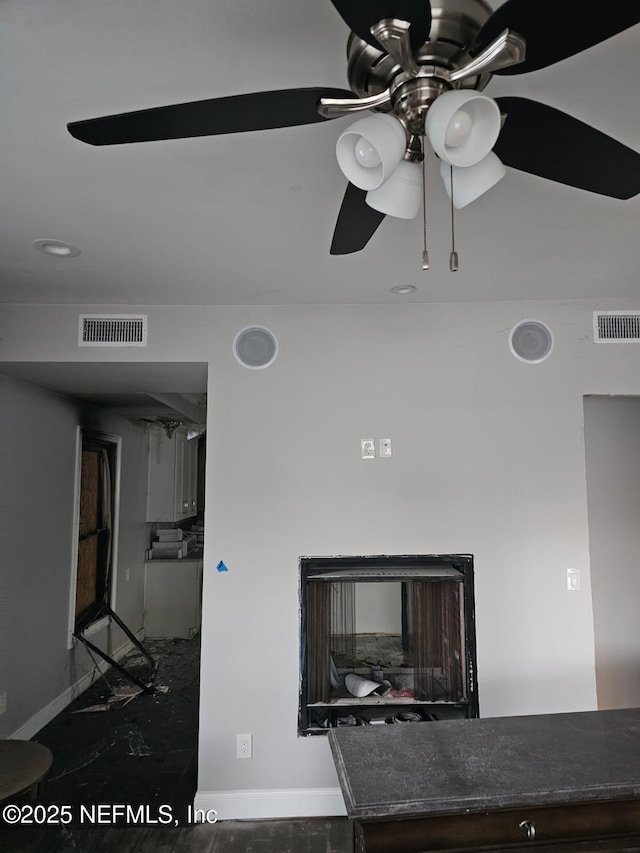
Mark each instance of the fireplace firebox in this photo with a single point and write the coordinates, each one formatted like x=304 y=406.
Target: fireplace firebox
x=386 y=639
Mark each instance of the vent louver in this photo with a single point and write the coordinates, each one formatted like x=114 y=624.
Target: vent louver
x=616 y=327
x=113 y=330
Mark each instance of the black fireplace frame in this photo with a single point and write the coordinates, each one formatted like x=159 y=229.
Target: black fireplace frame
x=381 y=568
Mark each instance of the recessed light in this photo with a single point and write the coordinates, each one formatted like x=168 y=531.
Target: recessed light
x=403 y=289
x=56 y=248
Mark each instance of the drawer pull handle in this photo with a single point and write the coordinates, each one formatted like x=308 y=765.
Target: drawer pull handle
x=529 y=829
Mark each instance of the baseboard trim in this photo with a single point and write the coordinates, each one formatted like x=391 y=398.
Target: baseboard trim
x=40 y=719
x=262 y=804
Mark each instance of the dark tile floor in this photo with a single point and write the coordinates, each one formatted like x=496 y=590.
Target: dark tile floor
x=144 y=752
x=311 y=835
x=371 y=649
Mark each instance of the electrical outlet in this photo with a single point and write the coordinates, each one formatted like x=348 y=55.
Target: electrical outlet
x=367 y=448
x=3 y=702
x=244 y=746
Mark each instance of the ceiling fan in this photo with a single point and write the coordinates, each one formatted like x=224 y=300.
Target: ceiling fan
x=407 y=58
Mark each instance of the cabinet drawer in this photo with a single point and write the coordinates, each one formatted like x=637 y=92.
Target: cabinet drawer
x=508 y=829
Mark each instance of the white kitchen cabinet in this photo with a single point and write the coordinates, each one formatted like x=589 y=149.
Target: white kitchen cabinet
x=173 y=475
x=172 y=597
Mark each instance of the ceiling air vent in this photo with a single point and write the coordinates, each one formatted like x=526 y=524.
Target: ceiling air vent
x=616 y=327
x=113 y=330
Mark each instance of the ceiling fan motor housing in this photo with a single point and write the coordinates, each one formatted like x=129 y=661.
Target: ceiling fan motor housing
x=454 y=27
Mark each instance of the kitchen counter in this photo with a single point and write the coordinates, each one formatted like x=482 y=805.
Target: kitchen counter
x=195 y=554
x=173 y=596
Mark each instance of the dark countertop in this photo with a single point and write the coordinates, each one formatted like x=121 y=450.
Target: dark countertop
x=470 y=765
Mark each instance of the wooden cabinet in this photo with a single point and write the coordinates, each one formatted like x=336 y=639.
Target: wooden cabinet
x=173 y=475
x=598 y=825
x=172 y=597
x=555 y=782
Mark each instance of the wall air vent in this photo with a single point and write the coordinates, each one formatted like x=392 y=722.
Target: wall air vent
x=112 y=330
x=622 y=327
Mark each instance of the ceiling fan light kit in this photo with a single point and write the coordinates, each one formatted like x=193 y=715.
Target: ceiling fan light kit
x=462 y=127
x=369 y=151
x=420 y=65
x=473 y=181
x=401 y=194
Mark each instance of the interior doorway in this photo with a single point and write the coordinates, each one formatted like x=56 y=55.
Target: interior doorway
x=612 y=449
x=92 y=472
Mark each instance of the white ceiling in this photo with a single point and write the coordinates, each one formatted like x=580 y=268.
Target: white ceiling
x=248 y=218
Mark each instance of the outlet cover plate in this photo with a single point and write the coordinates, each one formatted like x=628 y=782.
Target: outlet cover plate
x=574 y=581
x=244 y=746
x=367 y=448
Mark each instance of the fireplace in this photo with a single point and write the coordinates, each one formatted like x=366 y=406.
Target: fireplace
x=386 y=639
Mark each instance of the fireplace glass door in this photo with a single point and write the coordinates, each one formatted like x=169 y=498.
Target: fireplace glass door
x=386 y=640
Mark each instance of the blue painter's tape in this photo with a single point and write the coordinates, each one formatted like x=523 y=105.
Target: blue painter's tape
x=221 y=567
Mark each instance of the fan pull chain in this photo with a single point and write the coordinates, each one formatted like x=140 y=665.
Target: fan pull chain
x=425 y=252
x=453 y=257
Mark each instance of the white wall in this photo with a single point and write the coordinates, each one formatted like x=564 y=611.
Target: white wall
x=378 y=608
x=612 y=439
x=38 y=444
x=488 y=460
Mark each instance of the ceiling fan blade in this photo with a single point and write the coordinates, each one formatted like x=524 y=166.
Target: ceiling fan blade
x=557 y=29
x=357 y=223
x=543 y=141
x=235 y=114
x=361 y=15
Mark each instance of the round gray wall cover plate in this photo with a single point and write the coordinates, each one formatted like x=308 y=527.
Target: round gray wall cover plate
x=531 y=341
x=255 y=347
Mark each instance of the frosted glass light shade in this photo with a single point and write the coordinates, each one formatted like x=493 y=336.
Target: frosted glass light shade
x=470 y=182
x=462 y=127
x=369 y=151
x=401 y=194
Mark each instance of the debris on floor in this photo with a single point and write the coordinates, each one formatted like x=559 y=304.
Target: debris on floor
x=145 y=750
x=120 y=697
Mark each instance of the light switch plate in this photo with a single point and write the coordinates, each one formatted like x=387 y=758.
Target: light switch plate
x=573 y=580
